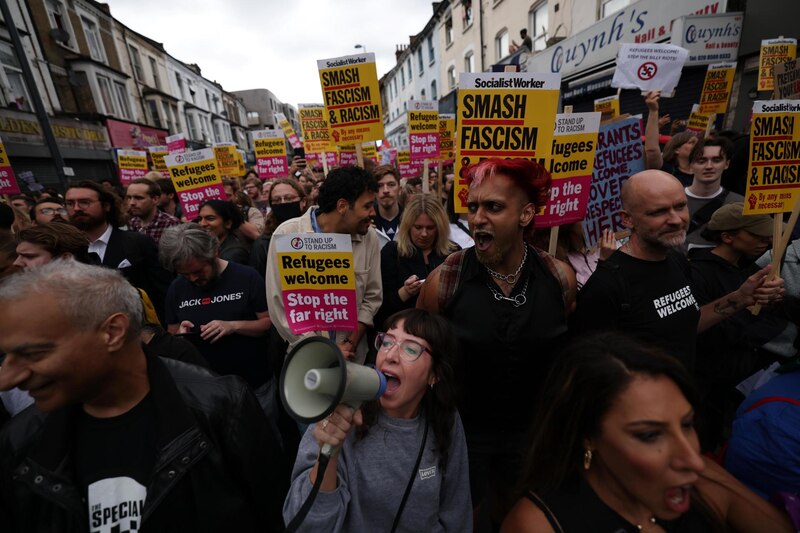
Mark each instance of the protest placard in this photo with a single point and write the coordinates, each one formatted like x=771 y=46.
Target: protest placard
x=698 y=122
x=787 y=80
x=270 y=150
x=317 y=281
x=570 y=164
x=27 y=177
x=196 y=179
x=509 y=114
x=773 y=177
x=620 y=154
x=347 y=155
x=423 y=129
x=288 y=131
x=176 y=144
x=131 y=164
x=316 y=133
x=8 y=182
x=227 y=162
x=352 y=99
x=331 y=158
x=157 y=154
x=447 y=129
x=717 y=88
x=407 y=167
x=773 y=52
x=649 y=66
x=608 y=106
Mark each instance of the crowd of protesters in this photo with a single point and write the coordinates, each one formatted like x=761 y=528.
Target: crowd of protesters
x=624 y=387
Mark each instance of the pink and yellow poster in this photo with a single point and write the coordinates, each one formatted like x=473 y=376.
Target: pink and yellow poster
x=196 y=179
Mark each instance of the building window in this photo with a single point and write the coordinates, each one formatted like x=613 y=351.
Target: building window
x=154 y=68
x=422 y=94
x=180 y=85
x=93 y=39
x=252 y=117
x=155 y=117
x=168 y=120
x=451 y=77
x=607 y=7
x=448 y=30
x=469 y=62
x=136 y=63
x=208 y=101
x=538 y=21
x=402 y=78
x=468 y=17
x=501 y=44
x=15 y=92
x=434 y=96
x=408 y=65
x=194 y=133
x=104 y=84
x=123 y=106
x=420 y=61
x=394 y=82
x=431 y=53
x=59 y=20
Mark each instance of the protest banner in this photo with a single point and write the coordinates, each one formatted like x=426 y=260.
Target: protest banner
x=717 y=88
x=347 y=155
x=787 y=80
x=370 y=151
x=196 y=179
x=570 y=164
x=176 y=144
x=27 y=177
x=330 y=158
x=131 y=164
x=288 y=131
x=240 y=156
x=773 y=52
x=620 y=154
x=407 y=167
x=423 y=129
x=352 y=99
x=157 y=154
x=698 y=122
x=317 y=281
x=509 y=114
x=8 y=182
x=709 y=38
x=608 y=106
x=447 y=129
x=316 y=133
x=649 y=67
x=270 y=150
x=226 y=159
x=773 y=175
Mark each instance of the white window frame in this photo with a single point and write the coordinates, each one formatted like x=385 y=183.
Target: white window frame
x=121 y=99
x=469 y=61
x=51 y=6
x=100 y=53
x=452 y=79
x=106 y=99
x=501 y=48
x=434 y=92
x=448 y=29
x=609 y=7
x=9 y=94
x=537 y=35
x=431 y=51
x=154 y=68
x=136 y=63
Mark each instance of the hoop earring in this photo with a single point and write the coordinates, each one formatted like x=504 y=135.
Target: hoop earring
x=587 y=459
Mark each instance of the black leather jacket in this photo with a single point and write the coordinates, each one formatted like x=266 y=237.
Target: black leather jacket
x=218 y=467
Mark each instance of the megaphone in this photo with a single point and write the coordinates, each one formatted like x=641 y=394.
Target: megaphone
x=316 y=378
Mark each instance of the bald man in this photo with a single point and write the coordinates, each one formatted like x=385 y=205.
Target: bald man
x=644 y=288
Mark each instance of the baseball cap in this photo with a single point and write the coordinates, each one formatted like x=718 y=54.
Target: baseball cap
x=730 y=217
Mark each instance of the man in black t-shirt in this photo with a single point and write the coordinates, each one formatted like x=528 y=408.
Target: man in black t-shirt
x=117 y=439
x=221 y=307
x=644 y=288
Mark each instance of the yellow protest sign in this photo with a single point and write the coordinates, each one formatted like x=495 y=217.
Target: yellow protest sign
x=787 y=80
x=608 y=106
x=270 y=149
x=369 y=151
x=352 y=98
x=196 y=178
x=8 y=182
x=227 y=159
x=447 y=127
x=509 y=114
x=316 y=133
x=773 y=176
x=157 y=154
x=717 y=88
x=288 y=131
x=132 y=164
x=698 y=122
x=773 y=52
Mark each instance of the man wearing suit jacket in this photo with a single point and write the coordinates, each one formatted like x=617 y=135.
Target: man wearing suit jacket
x=94 y=210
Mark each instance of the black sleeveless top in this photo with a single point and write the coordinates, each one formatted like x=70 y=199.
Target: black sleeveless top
x=575 y=508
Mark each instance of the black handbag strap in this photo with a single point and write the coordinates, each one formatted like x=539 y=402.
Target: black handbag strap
x=703 y=215
x=411 y=479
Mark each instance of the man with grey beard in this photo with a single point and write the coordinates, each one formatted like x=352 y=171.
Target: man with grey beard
x=644 y=288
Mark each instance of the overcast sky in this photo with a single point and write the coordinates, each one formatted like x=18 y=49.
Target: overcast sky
x=274 y=44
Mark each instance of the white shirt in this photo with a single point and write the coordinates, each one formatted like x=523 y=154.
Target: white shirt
x=99 y=246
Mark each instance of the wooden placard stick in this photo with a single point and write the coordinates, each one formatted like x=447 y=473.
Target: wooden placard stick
x=426 y=186
x=360 y=155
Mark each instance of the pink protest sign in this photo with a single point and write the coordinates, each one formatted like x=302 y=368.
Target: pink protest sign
x=176 y=144
x=132 y=164
x=270 y=150
x=317 y=281
x=8 y=183
x=423 y=129
x=196 y=179
x=347 y=156
x=571 y=163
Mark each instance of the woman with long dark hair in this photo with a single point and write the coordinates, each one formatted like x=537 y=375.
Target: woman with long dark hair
x=222 y=219
x=615 y=450
x=410 y=440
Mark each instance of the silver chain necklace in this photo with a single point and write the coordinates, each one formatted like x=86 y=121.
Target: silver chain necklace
x=517 y=301
x=509 y=278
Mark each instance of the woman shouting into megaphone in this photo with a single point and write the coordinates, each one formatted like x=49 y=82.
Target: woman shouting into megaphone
x=404 y=468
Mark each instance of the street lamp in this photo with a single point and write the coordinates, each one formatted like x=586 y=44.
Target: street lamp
x=362 y=47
